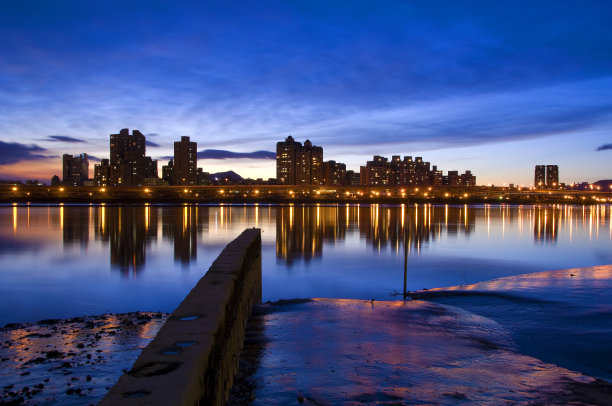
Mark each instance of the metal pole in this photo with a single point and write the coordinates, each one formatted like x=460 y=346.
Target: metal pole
x=405 y=255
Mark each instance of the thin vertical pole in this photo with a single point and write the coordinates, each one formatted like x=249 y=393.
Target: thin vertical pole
x=405 y=256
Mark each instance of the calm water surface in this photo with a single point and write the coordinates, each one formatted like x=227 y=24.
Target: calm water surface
x=64 y=261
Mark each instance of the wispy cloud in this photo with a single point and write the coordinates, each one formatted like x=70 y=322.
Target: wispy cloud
x=64 y=138
x=604 y=147
x=151 y=144
x=223 y=154
x=11 y=152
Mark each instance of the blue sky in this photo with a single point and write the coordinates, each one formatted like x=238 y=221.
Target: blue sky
x=495 y=87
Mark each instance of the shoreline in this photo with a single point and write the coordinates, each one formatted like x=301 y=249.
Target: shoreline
x=277 y=194
x=71 y=361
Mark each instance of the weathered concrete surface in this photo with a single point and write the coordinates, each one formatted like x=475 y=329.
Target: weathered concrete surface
x=356 y=352
x=194 y=357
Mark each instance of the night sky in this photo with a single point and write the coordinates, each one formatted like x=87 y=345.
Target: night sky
x=491 y=86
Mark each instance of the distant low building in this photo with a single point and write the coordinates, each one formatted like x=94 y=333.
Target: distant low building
x=203 y=177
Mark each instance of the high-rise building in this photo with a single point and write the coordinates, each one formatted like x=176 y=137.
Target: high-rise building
x=285 y=161
x=540 y=176
x=102 y=173
x=167 y=171
x=127 y=158
x=467 y=179
x=75 y=170
x=334 y=173
x=377 y=172
x=435 y=176
x=452 y=178
x=552 y=176
x=352 y=178
x=185 y=170
x=546 y=176
x=298 y=164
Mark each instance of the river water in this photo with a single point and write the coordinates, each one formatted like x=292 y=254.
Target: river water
x=69 y=260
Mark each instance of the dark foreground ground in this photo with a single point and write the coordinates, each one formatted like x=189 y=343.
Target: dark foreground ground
x=70 y=362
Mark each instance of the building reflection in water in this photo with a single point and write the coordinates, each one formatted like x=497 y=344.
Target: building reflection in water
x=301 y=231
x=180 y=225
x=75 y=225
x=128 y=230
x=546 y=224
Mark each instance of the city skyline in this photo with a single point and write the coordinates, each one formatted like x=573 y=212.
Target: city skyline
x=496 y=89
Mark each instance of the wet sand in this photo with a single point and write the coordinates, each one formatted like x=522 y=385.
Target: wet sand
x=73 y=361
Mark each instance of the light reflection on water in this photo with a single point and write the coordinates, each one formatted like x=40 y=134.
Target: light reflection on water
x=69 y=260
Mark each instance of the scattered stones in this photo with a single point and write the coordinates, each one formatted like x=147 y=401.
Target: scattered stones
x=455 y=395
x=38 y=335
x=53 y=354
x=41 y=347
x=37 y=360
x=48 y=322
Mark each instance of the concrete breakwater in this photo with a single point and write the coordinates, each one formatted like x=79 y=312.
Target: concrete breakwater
x=194 y=357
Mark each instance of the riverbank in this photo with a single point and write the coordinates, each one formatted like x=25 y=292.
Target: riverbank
x=73 y=361
x=539 y=338
x=282 y=194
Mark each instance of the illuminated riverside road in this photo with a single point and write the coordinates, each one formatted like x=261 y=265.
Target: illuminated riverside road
x=285 y=193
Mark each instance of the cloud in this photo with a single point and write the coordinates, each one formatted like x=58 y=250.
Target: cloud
x=93 y=158
x=474 y=120
x=604 y=147
x=151 y=143
x=63 y=138
x=223 y=154
x=11 y=152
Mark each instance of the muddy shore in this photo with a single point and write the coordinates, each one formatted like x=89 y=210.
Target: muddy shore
x=73 y=361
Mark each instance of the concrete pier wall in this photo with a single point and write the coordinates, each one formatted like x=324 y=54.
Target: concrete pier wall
x=193 y=358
